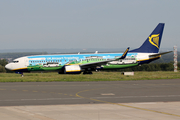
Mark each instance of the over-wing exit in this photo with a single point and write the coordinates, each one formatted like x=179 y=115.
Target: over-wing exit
x=86 y=63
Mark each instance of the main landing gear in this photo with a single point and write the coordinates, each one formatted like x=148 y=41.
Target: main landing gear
x=22 y=75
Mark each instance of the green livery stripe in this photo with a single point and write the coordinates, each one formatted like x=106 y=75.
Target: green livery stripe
x=41 y=68
x=121 y=66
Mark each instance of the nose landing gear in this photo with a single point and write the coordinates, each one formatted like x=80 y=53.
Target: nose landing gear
x=22 y=75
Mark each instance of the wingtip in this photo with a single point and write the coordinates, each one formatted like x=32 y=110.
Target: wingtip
x=125 y=53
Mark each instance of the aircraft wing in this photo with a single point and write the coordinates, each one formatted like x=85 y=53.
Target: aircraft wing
x=154 y=55
x=95 y=64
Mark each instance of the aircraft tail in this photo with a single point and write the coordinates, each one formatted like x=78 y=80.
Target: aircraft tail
x=152 y=43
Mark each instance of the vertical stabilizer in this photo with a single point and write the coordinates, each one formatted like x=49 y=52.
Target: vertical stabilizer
x=152 y=43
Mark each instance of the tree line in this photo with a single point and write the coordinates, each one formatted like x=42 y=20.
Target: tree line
x=3 y=62
x=153 y=67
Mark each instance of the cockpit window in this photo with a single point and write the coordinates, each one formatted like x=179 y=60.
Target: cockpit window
x=15 y=61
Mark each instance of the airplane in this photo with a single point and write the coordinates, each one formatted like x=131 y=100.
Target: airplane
x=86 y=63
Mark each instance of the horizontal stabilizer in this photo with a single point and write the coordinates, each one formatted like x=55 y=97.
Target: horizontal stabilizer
x=154 y=55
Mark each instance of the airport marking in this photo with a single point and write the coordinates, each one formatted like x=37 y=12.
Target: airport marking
x=144 y=109
x=107 y=94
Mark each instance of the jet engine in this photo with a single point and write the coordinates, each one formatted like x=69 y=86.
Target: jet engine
x=72 y=69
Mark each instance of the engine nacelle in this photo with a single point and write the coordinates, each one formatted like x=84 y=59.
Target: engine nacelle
x=72 y=69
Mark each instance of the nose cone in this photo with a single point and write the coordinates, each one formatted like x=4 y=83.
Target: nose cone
x=8 y=66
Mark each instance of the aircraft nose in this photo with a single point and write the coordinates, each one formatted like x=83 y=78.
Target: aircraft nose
x=8 y=66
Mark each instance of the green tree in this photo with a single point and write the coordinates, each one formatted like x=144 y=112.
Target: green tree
x=3 y=62
x=2 y=68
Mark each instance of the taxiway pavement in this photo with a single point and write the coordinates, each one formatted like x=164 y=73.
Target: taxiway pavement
x=144 y=99
x=56 y=93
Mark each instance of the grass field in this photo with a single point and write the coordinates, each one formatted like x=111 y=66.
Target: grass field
x=97 y=76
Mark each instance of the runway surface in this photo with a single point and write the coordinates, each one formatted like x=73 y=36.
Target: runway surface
x=132 y=100
x=60 y=93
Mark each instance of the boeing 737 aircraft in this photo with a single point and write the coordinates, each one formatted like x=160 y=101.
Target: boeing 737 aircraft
x=86 y=63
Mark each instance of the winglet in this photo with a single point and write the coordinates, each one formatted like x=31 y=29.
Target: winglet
x=124 y=54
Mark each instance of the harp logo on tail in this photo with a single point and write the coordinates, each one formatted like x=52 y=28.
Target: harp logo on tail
x=154 y=40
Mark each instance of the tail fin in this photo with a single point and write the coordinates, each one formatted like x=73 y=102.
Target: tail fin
x=152 y=43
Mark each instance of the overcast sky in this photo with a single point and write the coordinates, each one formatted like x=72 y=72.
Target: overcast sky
x=40 y=24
